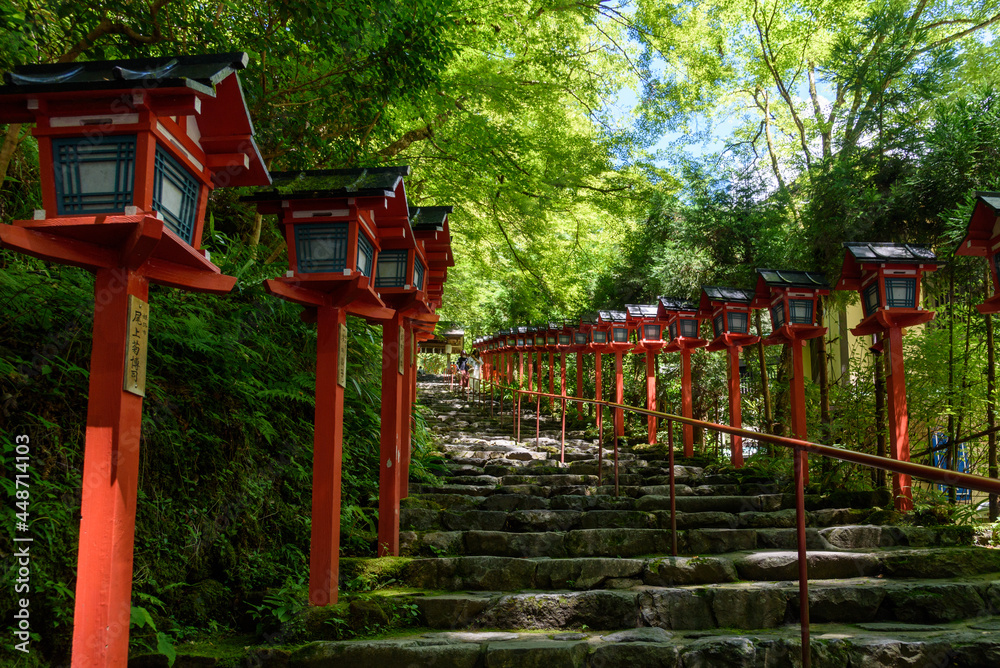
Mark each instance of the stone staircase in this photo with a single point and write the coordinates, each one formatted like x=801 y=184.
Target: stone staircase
x=526 y=561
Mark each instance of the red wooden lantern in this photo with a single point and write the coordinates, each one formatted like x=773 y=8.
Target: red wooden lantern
x=983 y=240
x=522 y=344
x=509 y=347
x=683 y=328
x=649 y=331
x=729 y=310
x=431 y=230
x=887 y=276
x=790 y=297
x=619 y=344
x=430 y=227
x=598 y=335
x=580 y=346
x=564 y=343
x=128 y=151
x=351 y=249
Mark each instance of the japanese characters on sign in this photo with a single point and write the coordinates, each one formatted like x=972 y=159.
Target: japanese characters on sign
x=135 y=348
x=342 y=356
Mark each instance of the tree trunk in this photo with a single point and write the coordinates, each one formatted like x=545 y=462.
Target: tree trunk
x=824 y=375
x=11 y=140
x=951 y=464
x=258 y=225
x=965 y=385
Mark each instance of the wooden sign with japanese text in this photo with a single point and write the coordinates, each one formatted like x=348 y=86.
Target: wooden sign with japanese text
x=135 y=347
x=342 y=356
x=402 y=350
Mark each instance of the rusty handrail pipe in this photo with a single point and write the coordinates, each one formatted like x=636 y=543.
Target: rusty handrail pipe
x=929 y=473
x=799 y=450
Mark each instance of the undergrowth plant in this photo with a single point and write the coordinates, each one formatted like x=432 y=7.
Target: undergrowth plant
x=225 y=473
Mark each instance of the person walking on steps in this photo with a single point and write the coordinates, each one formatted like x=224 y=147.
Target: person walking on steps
x=463 y=371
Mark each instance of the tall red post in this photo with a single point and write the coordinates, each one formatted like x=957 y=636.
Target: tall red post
x=735 y=410
x=389 y=447
x=687 y=405
x=651 y=393
x=899 y=434
x=406 y=423
x=797 y=390
x=328 y=430
x=110 y=481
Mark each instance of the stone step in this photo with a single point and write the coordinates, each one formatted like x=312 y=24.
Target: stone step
x=974 y=645
x=490 y=573
x=617 y=542
x=730 y=605
x=525 y=497
x=434 y=519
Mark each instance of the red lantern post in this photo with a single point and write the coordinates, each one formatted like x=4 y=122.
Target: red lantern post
x=600 y=337
x=887 y=276
x=619 y=344
x=539 y=346
x=552 y=346
x=729 y=309
x=431 y=230
x=580 y=346
x=649 y=329
x=333 y=221
x=128 y=153
x=683 y=325
x=525 y=346
x=564 y=344
x=790 y=297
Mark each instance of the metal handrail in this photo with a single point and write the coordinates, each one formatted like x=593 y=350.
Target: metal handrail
x=800 y=450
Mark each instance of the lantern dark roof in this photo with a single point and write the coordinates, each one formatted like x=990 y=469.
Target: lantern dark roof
x=781 y=278
x=637 y=311
x=677 y=304
x=522 y=330
x=429 y=218
x=555 y=325
x=588 y=319
x=730 y=295
x=506 y=332
x=612 y=316
x=332 y=183
x=865 y=251
x=991 y=199
x=982 y=226
x=200 y=73
x=207 y=86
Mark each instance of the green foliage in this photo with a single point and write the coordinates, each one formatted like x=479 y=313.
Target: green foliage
x=140 y=619
x=225 y=473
